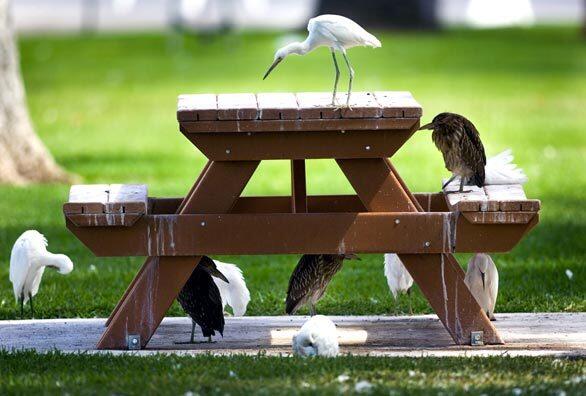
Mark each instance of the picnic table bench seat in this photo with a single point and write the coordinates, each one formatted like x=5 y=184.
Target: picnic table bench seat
x=238 y=131
x=106 y=204
x=494 y=204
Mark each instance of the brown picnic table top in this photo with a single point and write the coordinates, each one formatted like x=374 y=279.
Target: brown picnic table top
x=235 y=132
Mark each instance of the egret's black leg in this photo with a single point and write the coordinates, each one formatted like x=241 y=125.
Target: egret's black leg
x=30 y=298
x=351 y=74
x=337 y=77
x=210 y=339
x=410 y=306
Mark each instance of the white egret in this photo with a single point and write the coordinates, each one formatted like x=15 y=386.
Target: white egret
x=336 y=32
x=234 y=293
x=398 y=278
x=317 y=337
x=482 y=278
x=28 y=261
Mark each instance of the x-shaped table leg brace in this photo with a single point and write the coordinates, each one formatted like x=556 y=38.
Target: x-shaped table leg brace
x=157 y=284
x=439 y=276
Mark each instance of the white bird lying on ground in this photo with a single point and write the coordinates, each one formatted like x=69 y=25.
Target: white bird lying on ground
x=317 y=337
x=334 y=31
x=28 y=260
x=500 y=170
x=398 y=278
x=482 y=278
x=235 y=293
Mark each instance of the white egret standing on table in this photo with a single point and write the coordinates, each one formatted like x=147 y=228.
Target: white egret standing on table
x=28 y=260
x=482 y=278
x=334 y=31
x=398 y=278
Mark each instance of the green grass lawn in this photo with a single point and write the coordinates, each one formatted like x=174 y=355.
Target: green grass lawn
x=105 y=106
x=56 y=373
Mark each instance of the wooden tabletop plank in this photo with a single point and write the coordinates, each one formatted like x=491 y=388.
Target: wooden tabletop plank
x=237 y=107
x=509 y=196
x=362 y=105
x=87 y=198
x=130 y=198
x=317 y=105
x=289 y=106
x=473 y=201
x=277 y=106
x=202 y=107
x=531 y=205
x=398 y=104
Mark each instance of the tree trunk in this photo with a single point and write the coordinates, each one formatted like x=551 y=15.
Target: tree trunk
x=23 y=157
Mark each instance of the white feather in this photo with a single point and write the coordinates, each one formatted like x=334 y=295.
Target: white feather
x=317 y=337
x=340 y=32
x=398 y=278
x=28 y=260
x=235 y=294
x=500 y=169
x=485 y=294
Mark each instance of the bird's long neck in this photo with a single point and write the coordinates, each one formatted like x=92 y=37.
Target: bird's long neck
x=300 y=47
x=57 y=261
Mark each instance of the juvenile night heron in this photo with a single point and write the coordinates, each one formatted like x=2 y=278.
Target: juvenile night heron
x=482 y=278
x=310 y=278
x=459 y=141
x=398 y=278
x=334 y=31
x=200 y=298
x=28 y=261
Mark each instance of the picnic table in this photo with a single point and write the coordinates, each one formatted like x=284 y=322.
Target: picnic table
x=237 y=131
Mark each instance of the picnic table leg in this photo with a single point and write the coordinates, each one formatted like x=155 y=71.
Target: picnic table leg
x=298 y=187
x=161 y=278
x=439 y=276
x=146 y=264
x=441 y=280
x=141 y=312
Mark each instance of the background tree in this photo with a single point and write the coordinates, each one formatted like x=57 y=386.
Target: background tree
x=23 y=157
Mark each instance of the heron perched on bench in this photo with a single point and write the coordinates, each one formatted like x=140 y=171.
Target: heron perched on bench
x=334 y=31
x=459 y=141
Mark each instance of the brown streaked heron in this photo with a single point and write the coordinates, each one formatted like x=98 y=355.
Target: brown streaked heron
x=459 y=142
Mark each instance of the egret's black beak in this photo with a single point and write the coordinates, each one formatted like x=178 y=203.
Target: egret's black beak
x=210 y=267
x=275 y=63
x=482 y=276
x=427 y=126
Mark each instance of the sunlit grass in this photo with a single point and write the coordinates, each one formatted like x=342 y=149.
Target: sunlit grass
x=105 y=106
